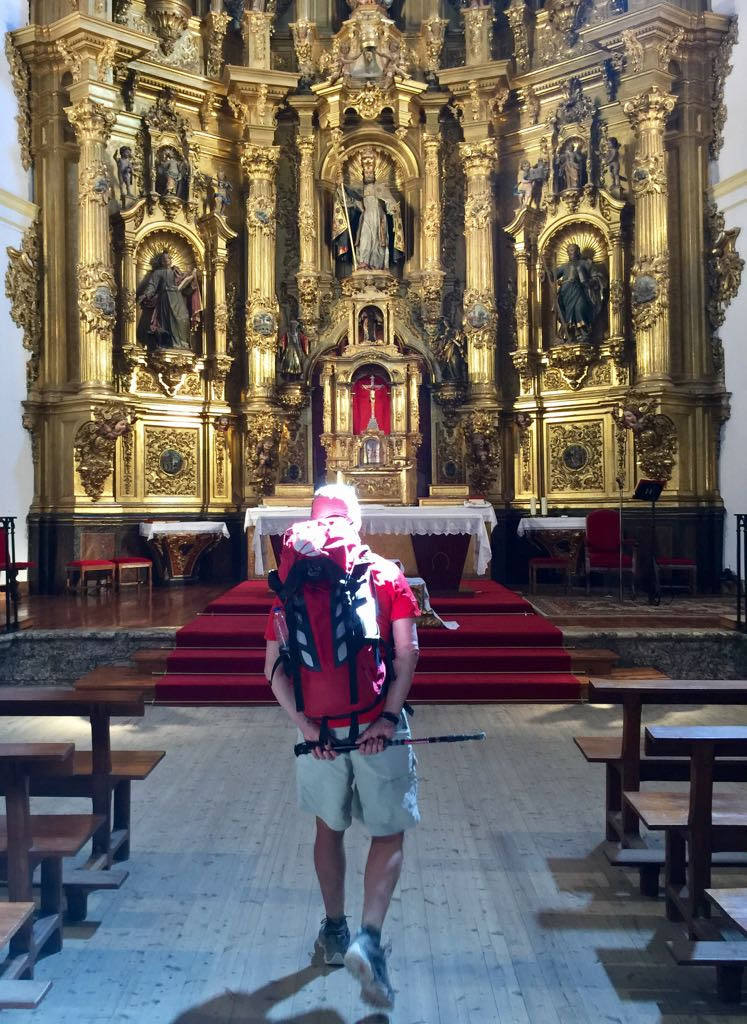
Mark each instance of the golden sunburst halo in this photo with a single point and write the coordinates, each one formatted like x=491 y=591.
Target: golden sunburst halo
x=590 y=242
x=179 y=248
x=385 y=169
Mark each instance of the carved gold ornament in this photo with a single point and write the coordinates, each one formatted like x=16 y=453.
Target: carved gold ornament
x=217 y=23
x=724 y=265
x=266 y=437
x=633 y=50
x=260 y=209
x=432 y=34
x=572 y=361
x=368 y=101
x=478 y=211
x=171 y=461
x=671 y=49
x=649 y=290
x=95 y=443
x=23 y=288
x=650 y=109
x=94 y=185
x=170 y=19
x=576 y=456
x=20 y=78
x=649 y=177
x=484 y=450
x=92 y=121
x=655 y=434
x=721 y=66
x=516 y=13
x=97 y=291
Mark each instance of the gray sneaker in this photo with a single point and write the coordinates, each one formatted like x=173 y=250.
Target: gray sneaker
x=366 y=961
x=333 y=941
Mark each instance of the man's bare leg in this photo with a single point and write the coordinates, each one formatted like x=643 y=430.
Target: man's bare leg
x=383 y=869
x=329 y=861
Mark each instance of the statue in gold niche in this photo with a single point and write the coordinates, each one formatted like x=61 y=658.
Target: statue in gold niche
x=170 y=304
x=579 y=295
x=375 y=219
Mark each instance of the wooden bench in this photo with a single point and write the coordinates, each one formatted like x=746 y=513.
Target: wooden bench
x=99 y=784
x=625 y=769
x=18 y=995
x=696 y=823
x=28 y=840
x=728 y=956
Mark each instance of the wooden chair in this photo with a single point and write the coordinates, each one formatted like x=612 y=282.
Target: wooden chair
x=603 y=547
x=550 y=563
x=681 y=565
x=95 y=565
x=141 y=567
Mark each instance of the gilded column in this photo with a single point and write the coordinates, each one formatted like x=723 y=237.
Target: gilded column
x=478 y=160
x=478 y=24
x=648 y=113
x=260 y=166
x=93 y=123
x=432 y=205
x=327 y=398
x=306 y=278
x=413 y=385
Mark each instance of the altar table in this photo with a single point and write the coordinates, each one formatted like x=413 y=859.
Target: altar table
x=180 y=545
x=560 y=536
x=439 y=563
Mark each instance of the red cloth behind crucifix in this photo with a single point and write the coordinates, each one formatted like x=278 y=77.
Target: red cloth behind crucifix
x=362 y=403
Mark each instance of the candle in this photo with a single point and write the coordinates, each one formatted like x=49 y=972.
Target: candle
x=340 y=478
x=543 y=506
x=532 y=506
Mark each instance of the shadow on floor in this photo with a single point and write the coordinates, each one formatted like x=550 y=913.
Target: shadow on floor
x=253 y=1007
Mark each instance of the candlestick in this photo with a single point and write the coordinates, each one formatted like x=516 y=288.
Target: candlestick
x=543 y=506
x=532 y=506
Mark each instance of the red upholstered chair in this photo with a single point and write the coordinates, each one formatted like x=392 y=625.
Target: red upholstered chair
x=603 y=546
x=141 y=567
x=673 y=565
x=556 y=564
x=8 y=566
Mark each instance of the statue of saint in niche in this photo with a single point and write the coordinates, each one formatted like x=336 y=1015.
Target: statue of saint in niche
x=172 y=174
x=579 y=295
x=293 y=353
x=375 y=220
x=171 y=303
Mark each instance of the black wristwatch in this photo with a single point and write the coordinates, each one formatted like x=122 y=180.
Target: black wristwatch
x=390 y=717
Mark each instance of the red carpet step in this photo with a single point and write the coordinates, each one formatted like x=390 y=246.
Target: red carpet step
x=503 y=650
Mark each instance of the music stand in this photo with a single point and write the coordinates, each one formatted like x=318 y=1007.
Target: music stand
x=650 y=490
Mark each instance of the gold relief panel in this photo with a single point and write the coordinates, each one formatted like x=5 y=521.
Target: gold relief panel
x=171 y=459
x=576 y=456
x=145 y=381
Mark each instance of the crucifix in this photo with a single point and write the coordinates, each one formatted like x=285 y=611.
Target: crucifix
x=372 y=387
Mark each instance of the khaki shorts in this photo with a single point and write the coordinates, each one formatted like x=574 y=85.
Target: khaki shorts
x=380 y=790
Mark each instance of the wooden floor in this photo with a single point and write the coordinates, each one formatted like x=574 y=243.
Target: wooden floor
x=507 y=911
x=130 y=608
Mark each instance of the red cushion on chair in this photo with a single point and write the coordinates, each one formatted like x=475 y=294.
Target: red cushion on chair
x=609 y=560
x=17 y=566
x=91 y=563
x=687 y=563
x=603 y=530
x=549 y=563
x=132 y=560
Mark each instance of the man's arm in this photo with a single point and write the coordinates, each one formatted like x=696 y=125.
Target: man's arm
x=406 y=651
x=282 y=687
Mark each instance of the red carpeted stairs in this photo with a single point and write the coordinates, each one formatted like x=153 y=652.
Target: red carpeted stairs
x=503 y=650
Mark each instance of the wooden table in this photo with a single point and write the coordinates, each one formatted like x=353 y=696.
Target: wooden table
x=696 y=822
x=98 y=707
x=633 y=694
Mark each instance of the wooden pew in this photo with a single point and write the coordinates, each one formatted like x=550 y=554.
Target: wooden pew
x=18 y=995
x=44 y=839
x=625 y=768
x=729 y=954
x=99 y=774
x=698 y=822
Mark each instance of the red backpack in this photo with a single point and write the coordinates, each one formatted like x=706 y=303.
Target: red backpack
x=333 y=652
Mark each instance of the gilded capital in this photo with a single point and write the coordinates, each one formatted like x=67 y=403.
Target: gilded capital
x=649 y=110
x=92 y=121
x=260 y=162
x=478 y=157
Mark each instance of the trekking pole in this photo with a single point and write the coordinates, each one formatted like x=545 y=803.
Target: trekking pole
x=346 y=748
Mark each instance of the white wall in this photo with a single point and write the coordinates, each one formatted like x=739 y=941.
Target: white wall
x=729 y=176
x=16 y=469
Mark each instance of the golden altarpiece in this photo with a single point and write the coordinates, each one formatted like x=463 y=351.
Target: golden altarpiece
x=433 y=249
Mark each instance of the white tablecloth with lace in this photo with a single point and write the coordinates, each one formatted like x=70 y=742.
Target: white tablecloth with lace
x=476 y=520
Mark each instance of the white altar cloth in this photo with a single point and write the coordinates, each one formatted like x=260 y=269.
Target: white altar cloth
x=149 y=530
x=538 y=524
x=476 y=520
